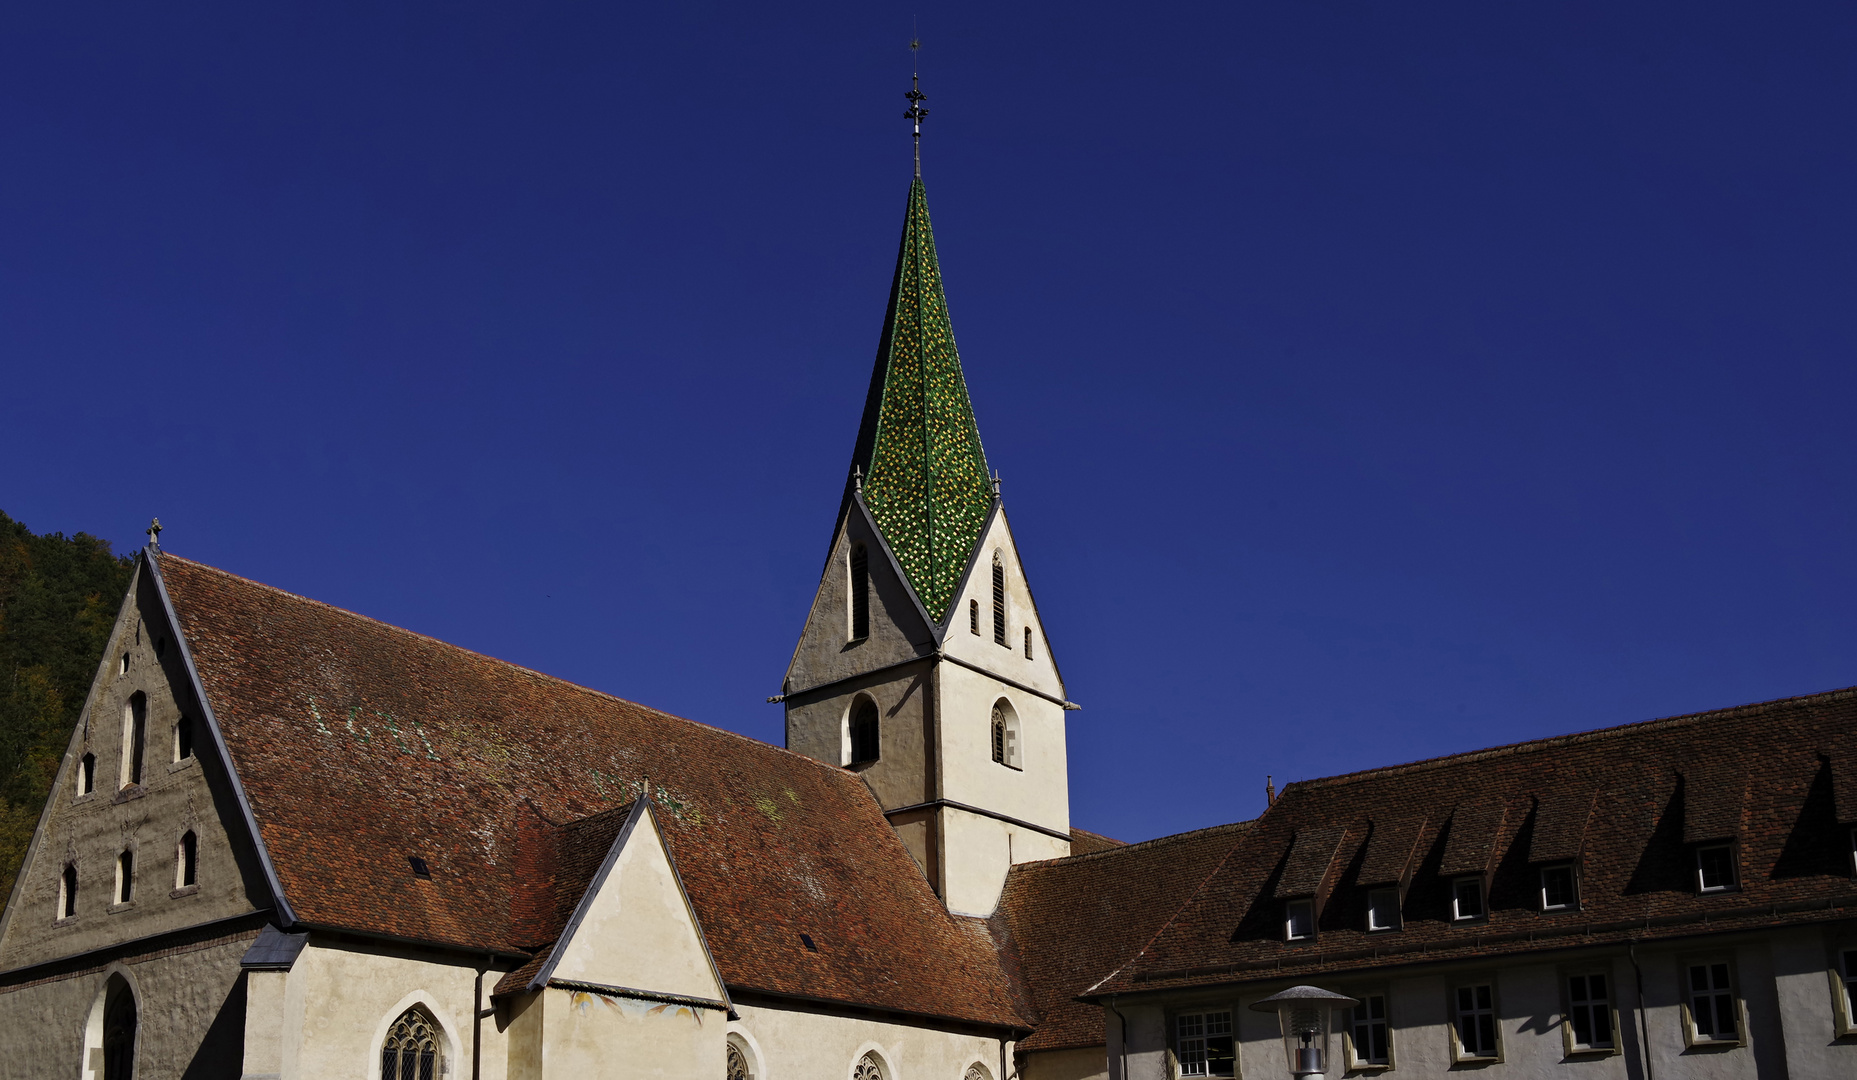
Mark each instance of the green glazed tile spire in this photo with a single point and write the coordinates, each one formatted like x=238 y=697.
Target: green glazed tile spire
x=925 y=476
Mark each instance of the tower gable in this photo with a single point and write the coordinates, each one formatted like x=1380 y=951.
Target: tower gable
x=898 y=629
x=970 y=632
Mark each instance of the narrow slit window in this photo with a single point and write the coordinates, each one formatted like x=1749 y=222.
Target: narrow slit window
x=860 y=593
x=123 y=669
x=187 y=861
x=125 y=877
x=87 y=774
x=67 y=892
x=1028 y=643
x=183 y=739
x=973 y=617
x=999 y=602
x=135 y=736
x=864 y=742
x=1589 y=1007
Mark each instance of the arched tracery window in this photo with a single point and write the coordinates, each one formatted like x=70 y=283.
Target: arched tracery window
x=738 y=1064
x=870 y=1067
x=411 y=1051
x=1005 y=732
x=977 y=1071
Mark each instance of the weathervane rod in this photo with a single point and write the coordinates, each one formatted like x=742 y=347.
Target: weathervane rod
x=916 y=97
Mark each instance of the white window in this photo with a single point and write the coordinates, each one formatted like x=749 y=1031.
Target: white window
x=1848 y=984
x=1712 y=1011
x=1715 y=868
x=1476 y=1021
x=1558 y=891
x=1369 y=1038
x=1205 y=1046
x=1383 y=909
x=1466 y=899
x=1299 y=920
x=1589 y=1011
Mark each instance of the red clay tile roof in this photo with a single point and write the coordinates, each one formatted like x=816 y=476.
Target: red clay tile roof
x=1082 y=842
x=1071 y=921
x=360 y=744
x=1629 y=800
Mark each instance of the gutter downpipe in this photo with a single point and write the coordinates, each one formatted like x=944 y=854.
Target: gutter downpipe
x=478 y=1012
x=1123 y=1020
x=1644 y=1032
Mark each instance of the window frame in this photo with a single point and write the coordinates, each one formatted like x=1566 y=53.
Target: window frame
x=1399 y=915
x=1572 y=1047
x=123 y=895
x=851 y=731
x=186 y=858
x=1734 y=867
x=1290 y=907
x=68 y=889
x=1692 y=1038
x=1175 y=1039
x=1351 y=1060
x=1482 y=913
x=1842 y=970
x=1573 y=883
x=1005 y=738
x=133 y=769
x=1470 y=982
x=181 y=749
x=86 y=775
x=441 y=1066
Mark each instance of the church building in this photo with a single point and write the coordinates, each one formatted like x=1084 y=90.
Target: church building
x=289 y=841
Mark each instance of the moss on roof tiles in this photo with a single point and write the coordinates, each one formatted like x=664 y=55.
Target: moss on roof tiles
x=925 y=474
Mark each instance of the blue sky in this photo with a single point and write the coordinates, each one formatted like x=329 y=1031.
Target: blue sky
x=1369 y=382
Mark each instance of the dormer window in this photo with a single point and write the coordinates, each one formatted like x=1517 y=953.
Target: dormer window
x=999 y=601
x=861 y=736
x=1715 y=868
x=1383 y=909
x=135 y=734
x=1467 y=899
x=860 y=593
x=1559 y=889
x=1299 y=920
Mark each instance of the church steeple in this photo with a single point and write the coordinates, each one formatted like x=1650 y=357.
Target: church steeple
x=924 y=474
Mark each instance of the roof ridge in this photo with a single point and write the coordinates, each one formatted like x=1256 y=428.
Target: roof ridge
x=1552 y=742
x=513 y=666
x=1141 y=845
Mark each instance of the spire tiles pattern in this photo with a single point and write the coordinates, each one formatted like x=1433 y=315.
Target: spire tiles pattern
x=926 y=479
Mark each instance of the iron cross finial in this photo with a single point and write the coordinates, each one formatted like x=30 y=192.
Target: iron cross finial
x=154 y=532
x=917 y=112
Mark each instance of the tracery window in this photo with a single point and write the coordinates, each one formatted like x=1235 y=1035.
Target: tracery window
x=1005 y=734
x=738 y=1064
x=411 y=1051
x=977 y=1071
x=870 y=1067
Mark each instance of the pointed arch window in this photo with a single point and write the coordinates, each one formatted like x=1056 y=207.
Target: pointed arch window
x=182 y=738
x=870 y=1067
x=135 y=736
x=187 y=861
x=411 y=1050
x=125 y=877
x=67 y=892
x=860 y=593
x=740 y=1059
x=999 y=601
x=861 y=734
x=87 y=774
x=1005 y=732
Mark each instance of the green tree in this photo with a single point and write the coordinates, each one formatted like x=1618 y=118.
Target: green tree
x=58 y=600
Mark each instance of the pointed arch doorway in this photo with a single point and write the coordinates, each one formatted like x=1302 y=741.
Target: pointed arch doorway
x=119 y=1030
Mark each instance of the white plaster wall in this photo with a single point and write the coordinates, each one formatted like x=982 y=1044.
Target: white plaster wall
x=796 y=1045
x=1038 y=792
x=1802 y=960
x=337 y=1004
x=977 y=852
x=1083 y=1063
x=1143 y=1046
x=1040 y=671
x=637 y=932
x=588 y=1035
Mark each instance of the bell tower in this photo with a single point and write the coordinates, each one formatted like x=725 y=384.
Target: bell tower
x=923 y=664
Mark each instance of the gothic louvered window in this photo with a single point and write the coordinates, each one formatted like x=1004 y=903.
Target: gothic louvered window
x=860 y=593
x=999 y=602
x=411 y=1050
x=973 y=617
x=1028 y=643
x=135 y=734
x=864 y=742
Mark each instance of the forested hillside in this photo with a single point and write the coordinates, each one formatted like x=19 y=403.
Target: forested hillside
x=58 y=600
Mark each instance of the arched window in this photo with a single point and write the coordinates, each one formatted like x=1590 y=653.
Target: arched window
x=977 y=1071
x=187 y=861
x=87 y=774
x=67 y=892
x=125 y=877
x=135 y=734
x=1028 y=643
x=861 y=732
x=740 y=1060
x=119 y=1030
x=183 y=735
x=1005 y=730
x=999 y=601
x=411 y=1051
x=870 y=1067
x=860 y=593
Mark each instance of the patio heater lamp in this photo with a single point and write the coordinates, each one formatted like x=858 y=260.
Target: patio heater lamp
x=1304 y=1013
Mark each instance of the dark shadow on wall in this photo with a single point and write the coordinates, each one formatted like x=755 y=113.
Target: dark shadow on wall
x=221 y=1055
